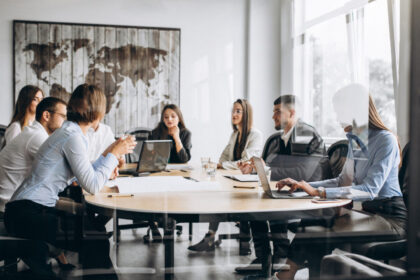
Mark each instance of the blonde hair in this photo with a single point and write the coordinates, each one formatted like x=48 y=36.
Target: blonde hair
x=375 y=122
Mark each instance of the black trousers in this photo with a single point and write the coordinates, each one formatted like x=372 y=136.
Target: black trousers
x=261 y=238
x=27 y=219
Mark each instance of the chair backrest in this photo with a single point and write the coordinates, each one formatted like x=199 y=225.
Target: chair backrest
x=403 y=172
x=337 y=154
x=2 y=133
x=141 y=134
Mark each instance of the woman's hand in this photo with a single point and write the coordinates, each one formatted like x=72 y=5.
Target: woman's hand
x=174 y=132
x=294 y=185
x=245 y=167
x=123 y=146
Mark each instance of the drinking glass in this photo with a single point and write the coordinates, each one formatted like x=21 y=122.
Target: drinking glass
x=204 y=161
x=211 y=169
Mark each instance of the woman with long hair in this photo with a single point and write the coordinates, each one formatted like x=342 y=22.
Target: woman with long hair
x=370 y=173
x=24 y=113
x=172 y=127
x=244 y=143
x=31 y=212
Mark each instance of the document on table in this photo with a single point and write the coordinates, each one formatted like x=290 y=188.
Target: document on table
x=130 y=185
x=243 y=177
x=178 y=167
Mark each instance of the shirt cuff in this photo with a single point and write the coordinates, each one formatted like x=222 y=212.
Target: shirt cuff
x=109 y=161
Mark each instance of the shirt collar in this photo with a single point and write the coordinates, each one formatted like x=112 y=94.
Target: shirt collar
x=286 y=136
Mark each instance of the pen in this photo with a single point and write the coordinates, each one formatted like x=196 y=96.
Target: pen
x=244 y=187
x=120 y=195
x=192 y=179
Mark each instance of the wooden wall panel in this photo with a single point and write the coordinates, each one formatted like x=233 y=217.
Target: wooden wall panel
x=135 y=66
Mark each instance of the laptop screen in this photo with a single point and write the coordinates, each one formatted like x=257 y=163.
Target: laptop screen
x=261 y=175
x=154 y=155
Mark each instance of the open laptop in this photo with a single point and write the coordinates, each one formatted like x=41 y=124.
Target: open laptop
x=154 y=156
x=266 y=184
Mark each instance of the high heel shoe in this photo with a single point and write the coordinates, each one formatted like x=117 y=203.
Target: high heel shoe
x=65 y=266
x=207 y=244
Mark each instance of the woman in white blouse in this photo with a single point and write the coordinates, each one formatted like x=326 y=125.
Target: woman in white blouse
x=24 y=114
x=244 y=143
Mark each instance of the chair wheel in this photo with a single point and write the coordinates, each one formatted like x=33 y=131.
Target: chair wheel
x=217 y=243
x=178 y=232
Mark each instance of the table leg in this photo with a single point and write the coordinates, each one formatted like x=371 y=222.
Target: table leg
x=169 y=241
x=115 y=236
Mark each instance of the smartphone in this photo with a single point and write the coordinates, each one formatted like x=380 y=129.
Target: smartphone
x=325 y=200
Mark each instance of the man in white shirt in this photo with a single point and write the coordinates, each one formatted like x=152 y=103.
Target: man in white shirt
x=99 y=139
x=17 y=157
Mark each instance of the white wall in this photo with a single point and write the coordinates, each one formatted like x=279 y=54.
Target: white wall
x=213 y=54
x=264 y=61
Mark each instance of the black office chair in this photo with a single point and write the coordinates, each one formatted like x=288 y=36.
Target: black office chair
x=141 y=134
x=386 y=251
x=2 y=136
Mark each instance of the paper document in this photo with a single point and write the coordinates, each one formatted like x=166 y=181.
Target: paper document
x=244 y=178
x=129 y=185
x=178 y=167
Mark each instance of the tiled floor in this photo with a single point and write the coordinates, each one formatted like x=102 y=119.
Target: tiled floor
x=133 y=259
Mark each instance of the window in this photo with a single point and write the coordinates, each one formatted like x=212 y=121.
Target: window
x=342 y=42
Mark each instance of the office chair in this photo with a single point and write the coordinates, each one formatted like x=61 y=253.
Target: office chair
x=392 y=250
x=141 y=134
x=2 y=137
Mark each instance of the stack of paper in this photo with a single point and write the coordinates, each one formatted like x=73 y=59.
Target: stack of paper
x=129 y=185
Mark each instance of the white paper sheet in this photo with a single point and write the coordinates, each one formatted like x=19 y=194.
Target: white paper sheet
x=178 y=167
x=130 y=185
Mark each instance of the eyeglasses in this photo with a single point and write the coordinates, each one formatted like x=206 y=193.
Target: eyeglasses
x=60 y=114
x=237 y=111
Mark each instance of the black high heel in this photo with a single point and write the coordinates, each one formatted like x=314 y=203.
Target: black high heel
x=65 y=266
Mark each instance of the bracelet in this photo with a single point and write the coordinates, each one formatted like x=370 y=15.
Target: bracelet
x=322 y=192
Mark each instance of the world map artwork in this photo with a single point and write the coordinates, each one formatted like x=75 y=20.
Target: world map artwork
x=137 y=67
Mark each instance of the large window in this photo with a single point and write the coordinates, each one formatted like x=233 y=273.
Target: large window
x=337 y=42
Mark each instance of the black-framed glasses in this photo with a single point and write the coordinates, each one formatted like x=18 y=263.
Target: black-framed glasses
x=60 y=114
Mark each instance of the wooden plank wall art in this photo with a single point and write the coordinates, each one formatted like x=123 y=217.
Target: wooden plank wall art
x=137 y=67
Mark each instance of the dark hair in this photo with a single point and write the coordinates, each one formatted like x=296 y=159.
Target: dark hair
x=288 y=100
x=87 y=103
x=47 y=104
x=161 y=128
x=26 y=95
x=246 y=126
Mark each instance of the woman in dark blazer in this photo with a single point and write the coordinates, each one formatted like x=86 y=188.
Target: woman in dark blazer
x=172 y=127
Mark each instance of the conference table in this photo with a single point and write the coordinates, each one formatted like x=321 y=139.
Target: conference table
x=232 y=201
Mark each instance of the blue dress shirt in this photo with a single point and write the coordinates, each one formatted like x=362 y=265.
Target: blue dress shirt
x=64 y=155
x=375 y=170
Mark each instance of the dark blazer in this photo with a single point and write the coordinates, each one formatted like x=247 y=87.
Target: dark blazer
x=310 y=164
x=184 y=154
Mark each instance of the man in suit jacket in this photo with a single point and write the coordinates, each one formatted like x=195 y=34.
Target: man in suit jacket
x=296 y=151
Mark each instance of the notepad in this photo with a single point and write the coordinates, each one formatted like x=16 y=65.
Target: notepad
x=243 y=177
x=178 y=167
x=131 y=185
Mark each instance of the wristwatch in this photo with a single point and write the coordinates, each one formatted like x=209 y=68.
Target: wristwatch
x=322 y=193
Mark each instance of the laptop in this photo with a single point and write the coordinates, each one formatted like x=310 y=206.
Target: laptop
x=266 y=184
x=154 y=156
